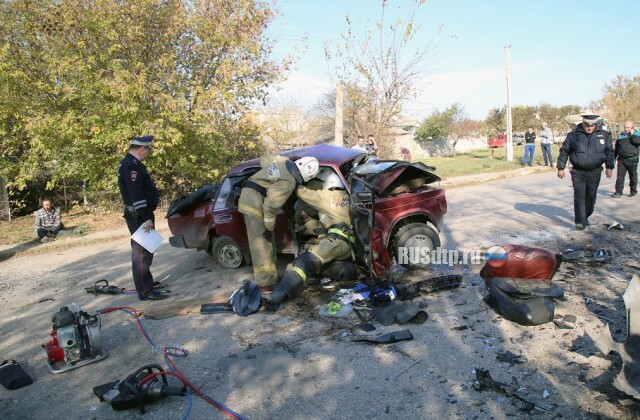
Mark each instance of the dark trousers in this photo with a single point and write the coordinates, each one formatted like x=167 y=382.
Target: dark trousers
x=546 y=155
x=141 y=260
x=624 y=166
x=41 y=232
x=585 y=189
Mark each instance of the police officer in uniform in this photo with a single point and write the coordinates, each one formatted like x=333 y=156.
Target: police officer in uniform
x=332 y=204
x=141 y=198
x=588 y=146
x=262 y=195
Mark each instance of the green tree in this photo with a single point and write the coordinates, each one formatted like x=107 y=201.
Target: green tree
x=556 y=117
x=78 y=78
x=452 y=123
x=496 y=122
x=524 y=117
x=622 y=99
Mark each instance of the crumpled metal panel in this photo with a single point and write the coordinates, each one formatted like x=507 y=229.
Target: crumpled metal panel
x=628 y=380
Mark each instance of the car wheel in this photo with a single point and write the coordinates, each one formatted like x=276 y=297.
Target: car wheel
x=419 y=236
x=226 y=252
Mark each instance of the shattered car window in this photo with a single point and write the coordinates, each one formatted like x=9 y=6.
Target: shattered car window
x=221 y=201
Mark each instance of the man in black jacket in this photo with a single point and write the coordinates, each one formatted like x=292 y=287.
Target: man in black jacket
x=529 y=147
x=626 y=152
x=588 y=146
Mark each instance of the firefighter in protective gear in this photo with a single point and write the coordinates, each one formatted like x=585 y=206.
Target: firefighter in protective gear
x=261 y=197
x=332 y=204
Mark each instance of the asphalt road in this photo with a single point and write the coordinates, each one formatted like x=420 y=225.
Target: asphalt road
x=523 y=208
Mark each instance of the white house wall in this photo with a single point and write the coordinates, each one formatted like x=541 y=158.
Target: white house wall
x=437 y=147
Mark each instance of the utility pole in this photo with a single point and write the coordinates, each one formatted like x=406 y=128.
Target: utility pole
x=338 y=137
x=509 y=122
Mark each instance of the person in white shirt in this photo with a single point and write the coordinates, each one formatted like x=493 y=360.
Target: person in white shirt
x=360 y=145
x=546 y=140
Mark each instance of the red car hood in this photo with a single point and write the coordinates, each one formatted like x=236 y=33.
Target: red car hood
x=396 y=177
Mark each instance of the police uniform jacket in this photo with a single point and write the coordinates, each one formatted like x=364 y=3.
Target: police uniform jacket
x=332 y=205
x=627 y=146
x=137 y=188
x=587 y=152
x=279 y=184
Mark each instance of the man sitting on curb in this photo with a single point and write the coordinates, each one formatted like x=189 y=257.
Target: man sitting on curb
x=48 y=221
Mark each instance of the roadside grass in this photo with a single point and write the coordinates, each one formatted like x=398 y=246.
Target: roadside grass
x=483 y=161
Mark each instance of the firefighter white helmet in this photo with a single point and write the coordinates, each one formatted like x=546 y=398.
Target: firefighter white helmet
x=333 y=181
x=308 y=167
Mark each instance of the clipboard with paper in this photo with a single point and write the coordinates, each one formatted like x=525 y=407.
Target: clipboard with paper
x=150 y=241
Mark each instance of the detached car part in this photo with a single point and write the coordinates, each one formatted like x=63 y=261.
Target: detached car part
x=628 y=380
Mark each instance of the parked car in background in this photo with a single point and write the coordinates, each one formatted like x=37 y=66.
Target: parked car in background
x=393 y=204
x=518 y=139
x=501 y=140
x=497 y=141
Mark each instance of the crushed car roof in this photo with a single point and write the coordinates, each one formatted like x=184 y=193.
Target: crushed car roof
x=325 y=153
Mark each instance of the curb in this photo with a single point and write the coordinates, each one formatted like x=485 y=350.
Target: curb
x=465 y=180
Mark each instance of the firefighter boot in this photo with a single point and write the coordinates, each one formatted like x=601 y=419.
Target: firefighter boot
x=288 y=287
x=305 y=264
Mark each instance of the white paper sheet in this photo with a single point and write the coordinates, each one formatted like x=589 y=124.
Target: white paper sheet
x=150 y=241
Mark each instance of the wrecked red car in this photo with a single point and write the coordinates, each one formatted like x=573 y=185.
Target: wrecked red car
x=393 y=204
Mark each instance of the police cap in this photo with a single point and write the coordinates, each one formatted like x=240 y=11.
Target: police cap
x=142 y=141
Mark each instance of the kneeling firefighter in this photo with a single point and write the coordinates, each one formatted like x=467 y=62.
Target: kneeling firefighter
x=332 y=203
x=262 y=195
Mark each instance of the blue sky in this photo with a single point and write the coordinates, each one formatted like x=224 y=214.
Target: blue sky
x=562 y=52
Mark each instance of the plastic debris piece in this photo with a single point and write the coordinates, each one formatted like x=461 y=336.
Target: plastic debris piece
x=510 y=358
x=615 y=225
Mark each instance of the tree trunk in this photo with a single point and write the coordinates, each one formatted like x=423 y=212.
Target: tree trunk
x=64 y=190
x=5 y=207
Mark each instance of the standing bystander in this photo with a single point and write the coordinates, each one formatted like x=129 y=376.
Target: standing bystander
x=529 y=147
x=360 y=145
x=587 y=146
x=372 y=148
x=546 y=140
x=626 y=152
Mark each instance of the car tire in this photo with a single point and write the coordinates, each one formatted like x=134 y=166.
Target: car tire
x=415 y=235
x=227 y=252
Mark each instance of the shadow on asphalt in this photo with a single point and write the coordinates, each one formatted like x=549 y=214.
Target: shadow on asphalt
x=555 y=214
x=5 y=254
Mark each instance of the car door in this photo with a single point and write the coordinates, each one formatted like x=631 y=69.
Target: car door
x=369 y=249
